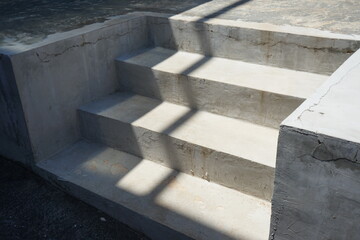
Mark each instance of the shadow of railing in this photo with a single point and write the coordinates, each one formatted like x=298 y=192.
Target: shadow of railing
x=136 y=139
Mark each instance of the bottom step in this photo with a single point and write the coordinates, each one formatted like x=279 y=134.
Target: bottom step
x=143 y=194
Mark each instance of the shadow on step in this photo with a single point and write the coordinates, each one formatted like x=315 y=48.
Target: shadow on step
x=141 y=186
x=147 y=191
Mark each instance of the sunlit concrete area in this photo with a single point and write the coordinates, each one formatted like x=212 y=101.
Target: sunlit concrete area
x=219 y=120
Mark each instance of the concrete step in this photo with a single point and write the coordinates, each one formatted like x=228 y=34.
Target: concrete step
x=290 y=47
x=260 y=94
x=162 y=203
x=228 y=151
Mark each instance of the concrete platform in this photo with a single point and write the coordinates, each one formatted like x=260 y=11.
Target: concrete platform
x=193 y=206
x=339 y=16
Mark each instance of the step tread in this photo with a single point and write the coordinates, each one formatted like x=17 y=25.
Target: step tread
x=187 y=204
x=260 y=77
x=228 y=135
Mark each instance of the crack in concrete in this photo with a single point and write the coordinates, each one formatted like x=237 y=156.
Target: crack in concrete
x=305 y=133
x=332 y=159
x=269 y=37
x=47 y=56
x=335 y=159
x=310 y=109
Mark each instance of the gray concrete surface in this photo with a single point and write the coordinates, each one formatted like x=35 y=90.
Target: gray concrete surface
x=185 y=140
x=159 y=201
x=339 y=16
x=260 y=94
x=317 y=157
x=317 y=194
x=289 y=47
x=31 y=208
x=51 y=86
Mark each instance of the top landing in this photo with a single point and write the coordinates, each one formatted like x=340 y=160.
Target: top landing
x=337 y=16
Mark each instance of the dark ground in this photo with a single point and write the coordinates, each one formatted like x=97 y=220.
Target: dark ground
x=31 y=208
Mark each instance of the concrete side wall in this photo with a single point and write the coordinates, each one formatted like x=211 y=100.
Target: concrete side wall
x=14 y=139
x=317 y=193
x=56 y=78
x=285 y=47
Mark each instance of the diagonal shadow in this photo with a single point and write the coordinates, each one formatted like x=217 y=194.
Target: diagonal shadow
x=154 y=91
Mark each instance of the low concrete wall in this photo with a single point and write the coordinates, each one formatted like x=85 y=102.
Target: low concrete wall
x=55 y=77
x=317 y=182
x=14 y=138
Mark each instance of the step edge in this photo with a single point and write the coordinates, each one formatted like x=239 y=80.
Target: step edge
x=300 y=97
x=94 y=114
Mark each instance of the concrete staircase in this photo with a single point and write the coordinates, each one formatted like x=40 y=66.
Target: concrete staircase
x=187 y=149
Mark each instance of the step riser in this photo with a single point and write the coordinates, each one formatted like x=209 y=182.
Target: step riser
x=230 y=171
x=286 y=50
x=265 y=108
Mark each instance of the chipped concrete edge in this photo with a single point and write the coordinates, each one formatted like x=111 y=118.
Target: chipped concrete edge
x=328 y=148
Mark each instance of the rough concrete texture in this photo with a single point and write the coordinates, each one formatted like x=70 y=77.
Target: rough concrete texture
x=332 y=110
x=128 y=187
x=57 y=76
x=51 y=87
x=316 y=192
x=33 y=209
x=339 y=16
x=235 y=153
x=232 y=152
x=260 y=94
x=280 y=46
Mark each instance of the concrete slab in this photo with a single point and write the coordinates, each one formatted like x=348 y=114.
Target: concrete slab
x=138 y=189
x=332 y=109
x=339 y=16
